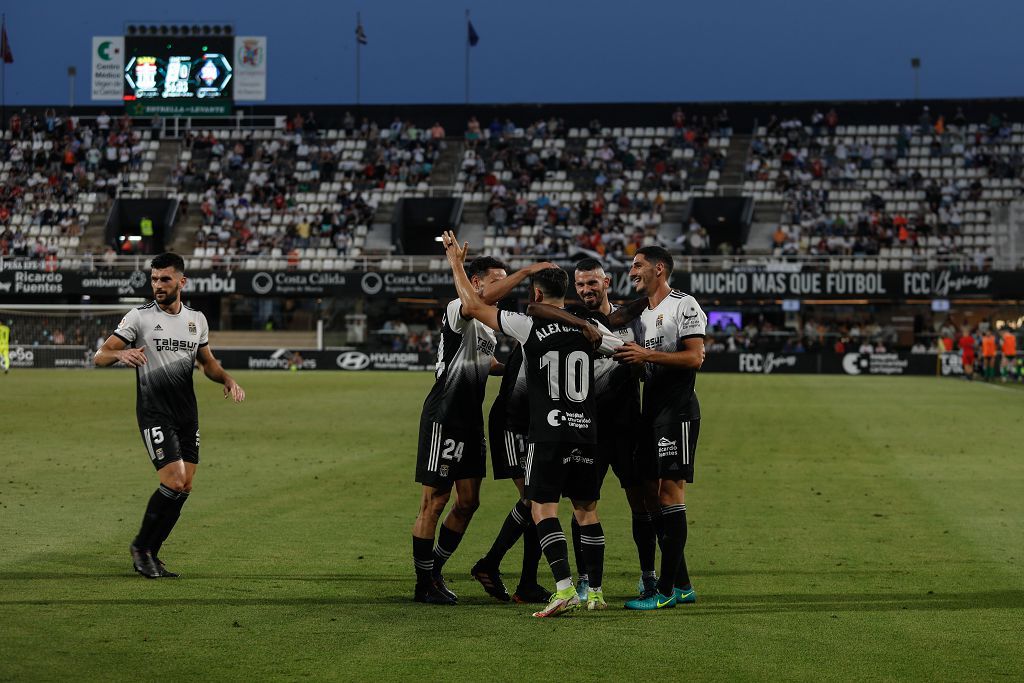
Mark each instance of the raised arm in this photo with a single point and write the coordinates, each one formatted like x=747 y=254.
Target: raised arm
x=560 y=315
x=473 y=305
x=624 y=315
x=496 y=291
x=215 y=371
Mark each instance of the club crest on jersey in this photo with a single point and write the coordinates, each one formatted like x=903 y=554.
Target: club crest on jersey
x=660 y=320
x=191 y=327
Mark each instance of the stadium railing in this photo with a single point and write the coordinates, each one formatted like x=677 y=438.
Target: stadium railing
x=419 y=263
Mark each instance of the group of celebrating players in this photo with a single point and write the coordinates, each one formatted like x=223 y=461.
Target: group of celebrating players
x=569 y=407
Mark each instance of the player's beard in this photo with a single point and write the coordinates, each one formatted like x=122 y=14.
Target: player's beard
x=593 y=301
x=167 y=297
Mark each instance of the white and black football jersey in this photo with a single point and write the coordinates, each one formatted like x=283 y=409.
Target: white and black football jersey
x=669 y=393
x=617 y=385
x=512 y=400
x=559 y=377
x=464 y=357
x=164 y=393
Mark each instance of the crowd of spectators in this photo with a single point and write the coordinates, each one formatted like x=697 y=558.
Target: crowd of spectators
x=249 y=187
x=50 y=163
x=610 y=186
x=808 y=164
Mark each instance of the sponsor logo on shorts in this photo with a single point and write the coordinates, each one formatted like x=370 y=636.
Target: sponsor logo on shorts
x=667 y=448
x=577 y=457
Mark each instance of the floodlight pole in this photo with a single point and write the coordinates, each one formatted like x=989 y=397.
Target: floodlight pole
x=465 y=30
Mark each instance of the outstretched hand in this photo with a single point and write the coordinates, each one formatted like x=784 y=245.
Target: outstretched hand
x=233 y=391
x=456 y=254
x=593 y=335
x=541 y=265
x=631 y=353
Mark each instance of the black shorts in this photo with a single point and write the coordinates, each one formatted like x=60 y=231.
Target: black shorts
x=166 y=443
x=508 y=452
x=448 y=454
x=556 y=470
x=668 y=451
x=616 y=448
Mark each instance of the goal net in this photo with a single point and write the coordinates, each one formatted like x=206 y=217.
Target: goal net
x=58 y=336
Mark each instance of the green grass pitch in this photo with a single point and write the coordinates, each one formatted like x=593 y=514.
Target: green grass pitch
x=841 y=528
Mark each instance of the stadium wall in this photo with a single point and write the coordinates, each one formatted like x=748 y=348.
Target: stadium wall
x=743 y=115
x=63 y=285
x=947 y=364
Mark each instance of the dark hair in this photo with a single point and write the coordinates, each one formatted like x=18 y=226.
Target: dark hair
x=589 y=264
x=656 y=254
x=481 y=264
x=552 y=282
x=168 y=260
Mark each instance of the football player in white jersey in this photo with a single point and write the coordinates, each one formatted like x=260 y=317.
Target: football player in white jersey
x=452 y=447
x=673 y=351
x=163 y=340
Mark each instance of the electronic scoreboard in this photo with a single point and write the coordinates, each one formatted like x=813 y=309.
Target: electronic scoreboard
x=172 y=76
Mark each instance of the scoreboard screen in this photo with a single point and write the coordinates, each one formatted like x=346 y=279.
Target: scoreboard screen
x=187 y=76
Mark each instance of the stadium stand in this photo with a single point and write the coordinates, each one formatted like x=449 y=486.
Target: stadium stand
x=293 y=195
x=899 y=196
x=58 y=175
x=550 y=191
x=298 y=196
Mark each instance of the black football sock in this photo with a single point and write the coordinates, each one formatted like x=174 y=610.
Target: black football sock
x=592 y=539
x=552 y=542
x=577 y=551
x=161 y=500
x=645 y=539
x=170 y=519
x=659 y=528
x=447 y=543
x=674 y=519
x=531 y=556
x=423 y=558
x=682 y=574
x=511 y=529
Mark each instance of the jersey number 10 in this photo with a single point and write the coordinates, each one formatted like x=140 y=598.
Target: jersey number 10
x=576 y=376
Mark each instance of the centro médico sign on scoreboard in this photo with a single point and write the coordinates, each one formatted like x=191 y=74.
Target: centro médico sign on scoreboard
x=107 y=67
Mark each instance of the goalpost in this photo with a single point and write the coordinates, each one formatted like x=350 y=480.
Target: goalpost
x=58 y=335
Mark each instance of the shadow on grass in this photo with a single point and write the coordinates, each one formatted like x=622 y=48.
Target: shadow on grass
x=709 y=605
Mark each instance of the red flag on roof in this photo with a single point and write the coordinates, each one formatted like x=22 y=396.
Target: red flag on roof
x=5 y=45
